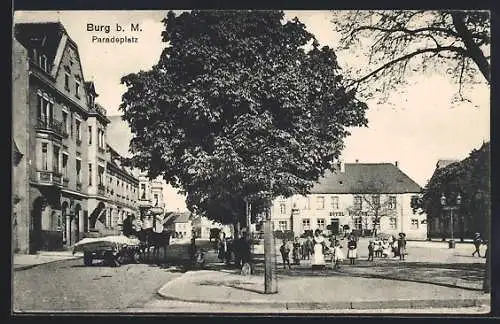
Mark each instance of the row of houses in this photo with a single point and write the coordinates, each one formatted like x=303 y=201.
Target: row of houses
x=67 y=179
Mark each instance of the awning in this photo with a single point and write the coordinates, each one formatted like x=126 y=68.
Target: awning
x=17 y=154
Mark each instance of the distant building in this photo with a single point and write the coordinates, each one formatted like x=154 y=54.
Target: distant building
x=353 y=198
x=179 y=223
x=201 y=226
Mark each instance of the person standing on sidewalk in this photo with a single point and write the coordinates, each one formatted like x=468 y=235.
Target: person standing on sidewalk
x=338 y=255
x=296 y=251
x=402 y=246
x=371 y=249
x=352 y=247
x=285 y=252
x=477 y=244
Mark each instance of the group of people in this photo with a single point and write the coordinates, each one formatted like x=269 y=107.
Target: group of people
x=383 y=248
x=239 y=248
x=315 y=248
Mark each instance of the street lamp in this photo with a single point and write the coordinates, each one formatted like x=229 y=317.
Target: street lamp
x=451 y=209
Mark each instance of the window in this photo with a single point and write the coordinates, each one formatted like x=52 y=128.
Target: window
x=45 y=165
x=65 y=122
x=101 y=175
x=393 y=223
x=414 y=223
x=55 y=159
x=156 y=199
x=77 y=89
x=414 y=202
x=306 y=224
x=307 y=203
x=90 y=174
x=358 y=223
x=392 y=202
x=282 y=225
x=90 y=135
x=65 y=164
x=321 y=223
x=282 y=208
x=320 y=203
x=91 y=100
x=375 y=223
x=358 y=203
x=78 y=170
x=45 y=109
x=100 y=138
x=143 y=191
x=66 y=81
x=43 y=62
x=78 y=130
x=376 y=201
x=335 y=202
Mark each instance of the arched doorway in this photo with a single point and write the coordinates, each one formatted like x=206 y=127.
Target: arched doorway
x=35 y=239
x=74 y=227
x=64 y=223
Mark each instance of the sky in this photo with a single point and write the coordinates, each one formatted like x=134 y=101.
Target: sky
x=417 y=128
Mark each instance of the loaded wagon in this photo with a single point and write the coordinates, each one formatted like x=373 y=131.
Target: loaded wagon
x=114 y=250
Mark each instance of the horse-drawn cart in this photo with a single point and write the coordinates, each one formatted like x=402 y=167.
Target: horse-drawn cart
x=114 y=250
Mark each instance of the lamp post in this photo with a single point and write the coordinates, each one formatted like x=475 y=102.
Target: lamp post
x=451 y=243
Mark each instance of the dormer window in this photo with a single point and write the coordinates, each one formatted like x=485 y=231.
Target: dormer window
x=43 y=62
x=91 y=101
x=66 y=81
x=77 y=89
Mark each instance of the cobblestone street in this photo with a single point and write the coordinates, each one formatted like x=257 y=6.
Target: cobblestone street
x=71 y=286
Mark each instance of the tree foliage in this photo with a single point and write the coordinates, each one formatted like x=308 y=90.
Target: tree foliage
x=238 y=108
x=469 y=177
x=400 y=42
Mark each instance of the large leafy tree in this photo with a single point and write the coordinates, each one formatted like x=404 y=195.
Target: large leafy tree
x=399 y=43
x=469 y=177
x=240 y=107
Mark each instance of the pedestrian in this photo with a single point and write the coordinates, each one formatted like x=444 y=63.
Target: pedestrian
x=285 y=251
x=309 y=247
x=371 y=249
x=127 y=227
x=352 y=250
x=477 y=244
x=338 y=255
x=296 y=249
x=385 y=249
x=221 y=242
x=402 y=246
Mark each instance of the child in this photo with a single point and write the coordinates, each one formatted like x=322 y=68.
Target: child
x=352 y=250
x=285 y=251
x=338 y=256
x=371 y=249
x=296 y=249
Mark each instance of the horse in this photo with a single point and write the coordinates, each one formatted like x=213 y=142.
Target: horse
x=158 y=240
x=144 y=245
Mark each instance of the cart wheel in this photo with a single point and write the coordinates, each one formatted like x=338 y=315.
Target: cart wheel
x=87 y=258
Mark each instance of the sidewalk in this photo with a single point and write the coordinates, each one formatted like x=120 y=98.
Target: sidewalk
x=308 y=293
x=27 y=261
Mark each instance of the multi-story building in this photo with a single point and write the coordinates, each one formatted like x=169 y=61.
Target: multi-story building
x=122 y=188
x=358 y=196
x=59 y=140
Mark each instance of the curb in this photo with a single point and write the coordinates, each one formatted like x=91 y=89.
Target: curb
x=359 y=305
x=29 y=266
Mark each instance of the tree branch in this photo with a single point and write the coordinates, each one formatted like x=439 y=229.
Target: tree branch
x=405 y=30
x=474 y=52
x=409 y=56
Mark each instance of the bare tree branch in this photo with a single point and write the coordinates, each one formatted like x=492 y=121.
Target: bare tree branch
x=445 y=31
x=409 y=56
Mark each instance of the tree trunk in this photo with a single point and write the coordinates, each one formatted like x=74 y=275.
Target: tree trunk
x=486 y=279
x=270 y=282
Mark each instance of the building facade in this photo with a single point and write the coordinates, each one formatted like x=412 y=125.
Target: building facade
x=66 y=179
x=359 y=196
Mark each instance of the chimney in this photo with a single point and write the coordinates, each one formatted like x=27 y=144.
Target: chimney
x=357 y=160
x=341 y=166
x=396 y=164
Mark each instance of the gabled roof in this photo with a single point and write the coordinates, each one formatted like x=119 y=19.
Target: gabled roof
x=366 y=178
x=90 y=87
x=176 y=217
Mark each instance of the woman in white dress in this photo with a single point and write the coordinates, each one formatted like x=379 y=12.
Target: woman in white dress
x=318 y=256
